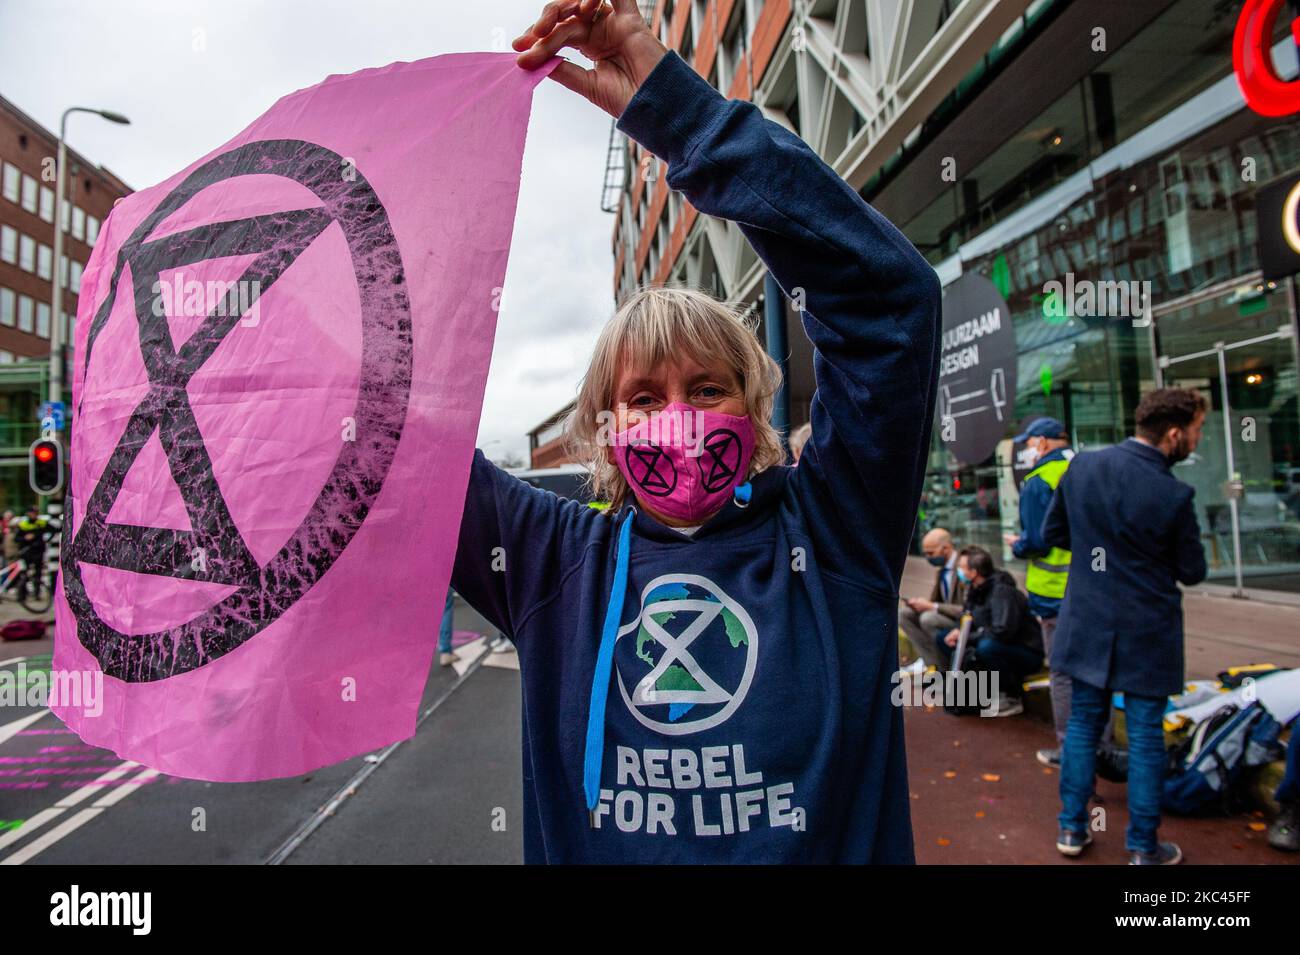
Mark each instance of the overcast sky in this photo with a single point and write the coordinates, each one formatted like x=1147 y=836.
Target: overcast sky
x=139 y=57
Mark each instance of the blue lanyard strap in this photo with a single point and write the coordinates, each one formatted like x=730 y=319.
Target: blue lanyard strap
x=604 y=663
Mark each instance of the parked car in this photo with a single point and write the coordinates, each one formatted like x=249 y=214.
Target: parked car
x=567 y=480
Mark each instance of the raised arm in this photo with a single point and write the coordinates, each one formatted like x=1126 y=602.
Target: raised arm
x=871 y=306
x=870 y=302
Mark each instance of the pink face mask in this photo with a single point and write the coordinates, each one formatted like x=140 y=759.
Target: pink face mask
x=684 y=462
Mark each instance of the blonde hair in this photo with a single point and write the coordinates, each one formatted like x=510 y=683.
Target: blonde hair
x=652 y=326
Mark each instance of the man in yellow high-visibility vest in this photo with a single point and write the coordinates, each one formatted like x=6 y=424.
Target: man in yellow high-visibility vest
x=1048 y=567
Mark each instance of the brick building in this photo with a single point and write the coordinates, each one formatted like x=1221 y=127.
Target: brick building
x=27 y=183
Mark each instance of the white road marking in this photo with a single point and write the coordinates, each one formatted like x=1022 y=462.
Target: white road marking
x=17 y=726
x=465 y=668
x=109 y=799
x=66 y=803
x=51 y=837
x=469 y=652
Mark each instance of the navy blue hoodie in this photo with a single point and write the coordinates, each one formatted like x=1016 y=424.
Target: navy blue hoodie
x=746 y=701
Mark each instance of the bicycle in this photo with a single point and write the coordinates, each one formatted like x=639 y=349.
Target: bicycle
x=34 y=591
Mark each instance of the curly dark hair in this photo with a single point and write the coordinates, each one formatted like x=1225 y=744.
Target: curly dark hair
x=1167 y=408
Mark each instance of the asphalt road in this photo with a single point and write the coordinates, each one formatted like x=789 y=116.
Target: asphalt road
x=452 y=793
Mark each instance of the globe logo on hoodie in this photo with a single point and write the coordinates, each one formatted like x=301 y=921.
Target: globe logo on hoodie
x=685 y=663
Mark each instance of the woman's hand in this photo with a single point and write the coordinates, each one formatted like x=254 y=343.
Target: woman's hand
x=614 y=37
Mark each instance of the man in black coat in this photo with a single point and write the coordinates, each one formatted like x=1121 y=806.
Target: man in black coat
x=1004 y=634
x=1132 y=533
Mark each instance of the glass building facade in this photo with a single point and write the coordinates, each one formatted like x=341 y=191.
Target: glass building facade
x=1142 y=169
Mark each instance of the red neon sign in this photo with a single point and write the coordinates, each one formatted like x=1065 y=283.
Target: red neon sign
x=1252 y=59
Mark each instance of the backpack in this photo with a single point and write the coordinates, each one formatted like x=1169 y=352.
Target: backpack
x=1204 y=769
x=23 y=630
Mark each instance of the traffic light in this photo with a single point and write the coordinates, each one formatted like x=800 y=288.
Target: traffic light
x=45 y=465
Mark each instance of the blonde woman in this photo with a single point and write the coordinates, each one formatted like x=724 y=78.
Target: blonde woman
x=706 y=664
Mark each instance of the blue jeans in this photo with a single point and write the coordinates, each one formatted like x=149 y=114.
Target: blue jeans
x=444 y=630
x=1012 y=663
x=1143 y=715
x=1289 y=789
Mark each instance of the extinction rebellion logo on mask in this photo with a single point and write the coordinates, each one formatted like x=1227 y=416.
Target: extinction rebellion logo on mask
x=685 y=665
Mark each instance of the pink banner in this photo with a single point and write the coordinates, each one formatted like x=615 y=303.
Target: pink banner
x=280 y=356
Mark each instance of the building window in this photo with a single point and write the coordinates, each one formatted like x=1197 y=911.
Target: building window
x=63 y=270
x=9 y=244
x=26 y=253
x=792 y=111
x=44 y=261
x=43 y=319
x=47 y=203
x=75 y=285
x=29 y=193
x=666 y=22
x=92 y=230
x=66 y=216
x=735 y=36
x=26 y=313
x=12 y=179
x=6 y=357
x=78 y=223
x=8 y=305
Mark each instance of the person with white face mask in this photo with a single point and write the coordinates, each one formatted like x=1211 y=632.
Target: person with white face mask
x=1048 y=569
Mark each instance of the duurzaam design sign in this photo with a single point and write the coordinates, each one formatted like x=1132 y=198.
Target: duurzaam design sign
x=977 y=369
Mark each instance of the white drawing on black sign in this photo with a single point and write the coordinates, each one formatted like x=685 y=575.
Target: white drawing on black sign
x=975 y=401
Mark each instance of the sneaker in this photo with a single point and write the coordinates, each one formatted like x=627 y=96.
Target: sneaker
x=915 y=668
x=1284 y=834
x=503 y=646
x=1167 y=853
x=1049 y=757
x=447 y=659
x=1005 y=706
x=1071 y=843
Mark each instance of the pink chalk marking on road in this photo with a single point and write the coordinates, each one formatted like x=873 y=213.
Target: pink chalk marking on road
x=461 y=637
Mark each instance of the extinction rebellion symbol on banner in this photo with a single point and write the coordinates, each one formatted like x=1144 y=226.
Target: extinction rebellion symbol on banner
x=262 y=593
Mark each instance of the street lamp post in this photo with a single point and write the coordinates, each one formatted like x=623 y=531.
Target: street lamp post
x=56 y=305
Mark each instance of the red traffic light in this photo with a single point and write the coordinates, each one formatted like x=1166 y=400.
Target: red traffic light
x=45 y=466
